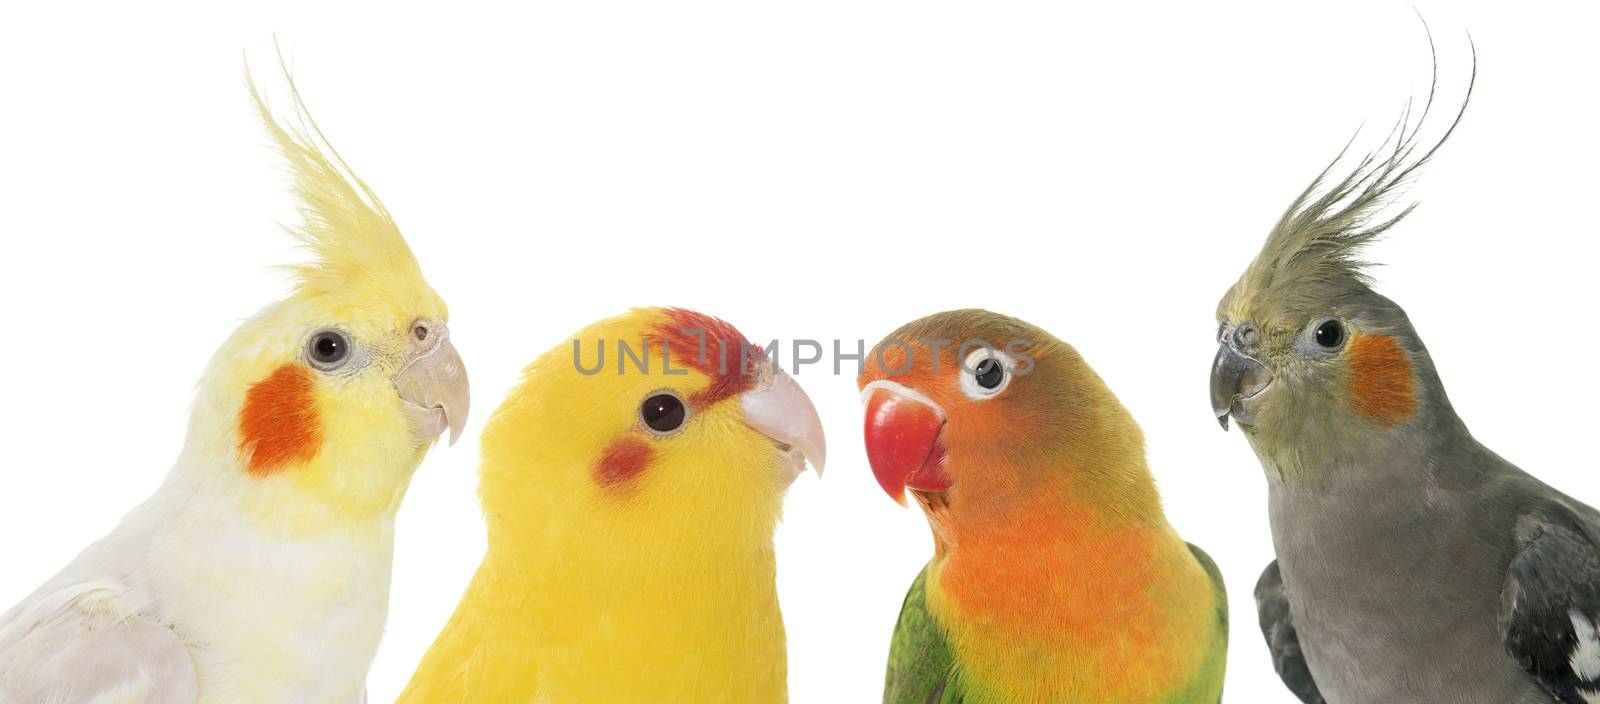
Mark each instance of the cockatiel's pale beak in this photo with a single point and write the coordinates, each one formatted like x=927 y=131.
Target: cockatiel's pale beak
x=433 y=384
x=781 y=410
x=902 y=433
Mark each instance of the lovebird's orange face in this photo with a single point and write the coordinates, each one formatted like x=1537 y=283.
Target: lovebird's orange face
x=964 y=404
x=985 y=418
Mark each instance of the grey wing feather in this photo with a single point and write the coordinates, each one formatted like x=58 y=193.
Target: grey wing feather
x=1550 y=605
x=76 y=645
x=1277 y=625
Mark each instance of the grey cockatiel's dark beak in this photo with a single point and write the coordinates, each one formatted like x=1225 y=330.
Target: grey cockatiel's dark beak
x=1236 y=376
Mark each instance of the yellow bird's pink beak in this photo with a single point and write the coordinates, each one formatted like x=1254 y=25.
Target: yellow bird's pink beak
x=779 y=409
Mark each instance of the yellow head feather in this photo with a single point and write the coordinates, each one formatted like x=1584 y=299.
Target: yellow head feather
x=671 y=573
x=355 y=453
x=360 y=259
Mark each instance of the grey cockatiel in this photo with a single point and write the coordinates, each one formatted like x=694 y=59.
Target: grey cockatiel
x=1414 y=564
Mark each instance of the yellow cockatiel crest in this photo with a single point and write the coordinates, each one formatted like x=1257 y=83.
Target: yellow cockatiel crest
x=361 y=260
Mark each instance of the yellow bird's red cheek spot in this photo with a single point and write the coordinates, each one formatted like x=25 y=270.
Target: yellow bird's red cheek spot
x=279 y=424
x=622 y=460
x=1382 y=386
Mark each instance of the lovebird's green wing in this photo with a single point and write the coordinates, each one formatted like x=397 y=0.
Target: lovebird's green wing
x=1213 y=671
x=1216 y=582
x=921 y=666
x=923 y=669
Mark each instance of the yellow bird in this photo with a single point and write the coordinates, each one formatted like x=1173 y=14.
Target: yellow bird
x=631 y=484
x=259 y=570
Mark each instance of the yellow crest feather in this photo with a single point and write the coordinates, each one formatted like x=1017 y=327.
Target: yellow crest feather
x=359 y=257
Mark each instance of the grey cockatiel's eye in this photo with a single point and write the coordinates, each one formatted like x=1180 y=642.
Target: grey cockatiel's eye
x=1322 y=338
x=1329 y=334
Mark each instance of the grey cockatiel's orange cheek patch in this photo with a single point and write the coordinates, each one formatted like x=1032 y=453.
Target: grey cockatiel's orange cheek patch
x=1382 y=385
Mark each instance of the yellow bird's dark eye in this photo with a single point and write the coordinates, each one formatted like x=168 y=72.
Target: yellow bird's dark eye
x=328 y=350
x=663 y=413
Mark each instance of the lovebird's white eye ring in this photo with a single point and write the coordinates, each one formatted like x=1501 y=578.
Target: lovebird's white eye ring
x=985 y=372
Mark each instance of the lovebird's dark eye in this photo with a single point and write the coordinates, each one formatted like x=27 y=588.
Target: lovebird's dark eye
x=989 y=374
x=328 y=350
x=663 y=412
x=985 y=373
x=1329 y=334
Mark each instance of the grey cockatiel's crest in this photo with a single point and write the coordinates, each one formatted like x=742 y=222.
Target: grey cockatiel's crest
x=1414 y=564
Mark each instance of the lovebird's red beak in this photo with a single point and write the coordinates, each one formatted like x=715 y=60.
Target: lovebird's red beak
x=902 y=433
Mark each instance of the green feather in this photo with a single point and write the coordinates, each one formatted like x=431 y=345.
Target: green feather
x=921 y=666
x=1211 y=672
x=924 y=670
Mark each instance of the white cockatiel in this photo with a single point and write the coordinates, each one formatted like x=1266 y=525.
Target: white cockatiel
x=259 y=570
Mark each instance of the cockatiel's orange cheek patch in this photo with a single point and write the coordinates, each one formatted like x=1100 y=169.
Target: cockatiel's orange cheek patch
x=278 y=424
x=1382 y=386
x=623 y=460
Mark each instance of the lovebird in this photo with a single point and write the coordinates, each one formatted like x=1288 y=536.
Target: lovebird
x=259 y=570
x=1413 y=563
x=1055 y=576
x=631 y=484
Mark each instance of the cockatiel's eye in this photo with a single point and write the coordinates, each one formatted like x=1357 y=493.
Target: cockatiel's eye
x=328 y=350
x=1329 y=334
x=985 y=372
x=663 y=412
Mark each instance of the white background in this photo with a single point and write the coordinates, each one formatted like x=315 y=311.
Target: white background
x=826 y=169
